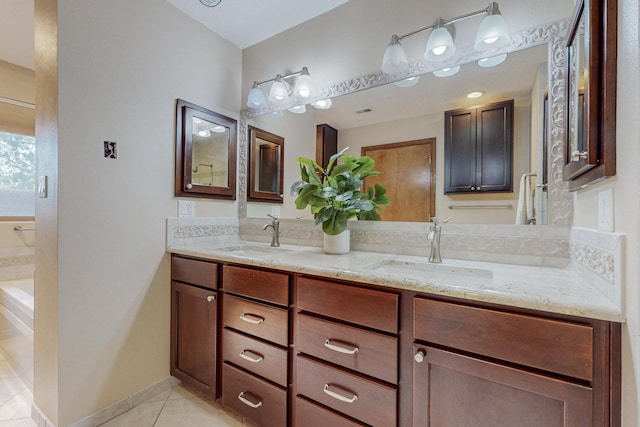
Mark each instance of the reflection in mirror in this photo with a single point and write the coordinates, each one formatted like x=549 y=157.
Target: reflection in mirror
x=205 y=153
x=266 y=172
x=576 y=53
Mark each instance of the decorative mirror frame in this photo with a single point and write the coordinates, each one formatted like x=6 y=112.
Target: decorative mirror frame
x=184 y=144
x=254 y=195
x=560 y=202
x=598 y=160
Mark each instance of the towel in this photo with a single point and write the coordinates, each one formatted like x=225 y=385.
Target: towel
x=525 y=213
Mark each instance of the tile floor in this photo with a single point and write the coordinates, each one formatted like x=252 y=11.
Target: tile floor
x=175 y=407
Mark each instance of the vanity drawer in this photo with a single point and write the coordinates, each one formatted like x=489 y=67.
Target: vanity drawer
x=257 y=400
x=552 y=345
x=311 y=415
x=196 y=272
x=363 y=399
x=364 y=351
x=260 y=320
x=367 y=307
x=258 y=284
x=263 y=359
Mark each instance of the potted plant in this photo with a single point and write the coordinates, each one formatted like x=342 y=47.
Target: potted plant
x=334 y=195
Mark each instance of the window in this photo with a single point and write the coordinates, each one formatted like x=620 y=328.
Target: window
x=17 y=175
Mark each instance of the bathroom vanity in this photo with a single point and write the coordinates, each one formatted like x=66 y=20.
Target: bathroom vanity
x=290 y=336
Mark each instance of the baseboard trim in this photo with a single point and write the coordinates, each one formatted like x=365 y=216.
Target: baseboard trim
x=111 y=411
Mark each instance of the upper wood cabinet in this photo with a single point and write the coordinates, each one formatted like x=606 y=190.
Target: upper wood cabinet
x=478 y=149
x=326 y=144
x=590 y=150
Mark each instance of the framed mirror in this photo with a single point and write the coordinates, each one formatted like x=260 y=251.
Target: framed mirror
x=265 y=166
x=590 y=89
x=205 y=153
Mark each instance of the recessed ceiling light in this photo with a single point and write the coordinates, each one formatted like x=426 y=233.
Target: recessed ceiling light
x=473 y=95
x=210 y=3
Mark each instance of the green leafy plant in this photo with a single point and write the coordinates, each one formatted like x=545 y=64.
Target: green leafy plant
x=334 y=193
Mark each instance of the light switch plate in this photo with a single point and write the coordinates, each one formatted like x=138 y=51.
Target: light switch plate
x=605 y=210
x=186 y=209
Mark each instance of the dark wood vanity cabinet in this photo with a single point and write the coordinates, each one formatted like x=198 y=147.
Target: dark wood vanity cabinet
x=326 y=143
x=296 y=350
x=346 y=341
x=478 y=149
x=194 y=312
x=255 y=344
x=475 y=366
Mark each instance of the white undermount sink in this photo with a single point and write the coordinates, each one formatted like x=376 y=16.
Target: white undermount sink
x=434 y=271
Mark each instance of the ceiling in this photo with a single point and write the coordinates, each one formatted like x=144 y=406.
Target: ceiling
x=16 y=33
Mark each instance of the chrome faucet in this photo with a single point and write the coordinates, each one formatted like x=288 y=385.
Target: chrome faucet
x=434 y=238
x=275 y=229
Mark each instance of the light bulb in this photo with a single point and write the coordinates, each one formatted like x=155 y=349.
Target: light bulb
x=492 y=61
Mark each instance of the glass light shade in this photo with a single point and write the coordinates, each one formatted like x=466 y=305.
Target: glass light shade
x=446 y=72
x=493 y=32
x=304 y=85
x=439 y=45
x=279 y=93
x=277 y=114
x=492 y=61
x=323 y=104
x=408 y=82
x=395 y=58
x=255 y=98
x=298 y=109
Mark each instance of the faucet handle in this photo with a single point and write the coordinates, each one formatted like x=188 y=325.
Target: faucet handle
x=434 y=219
x=273 y=217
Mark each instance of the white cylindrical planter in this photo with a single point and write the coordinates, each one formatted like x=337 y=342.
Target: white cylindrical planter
x=338 y=244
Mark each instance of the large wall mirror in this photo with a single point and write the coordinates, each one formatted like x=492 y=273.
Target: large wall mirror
x=266 y=171
x=205 y=153
x=591 y=86
x=371 y=110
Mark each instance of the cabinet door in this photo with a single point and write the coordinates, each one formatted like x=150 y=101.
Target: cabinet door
x=455 y=390
x=478 y=149
x=193 y=336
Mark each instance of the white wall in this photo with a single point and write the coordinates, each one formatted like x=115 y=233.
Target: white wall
x=627 y=207
x=121 y=66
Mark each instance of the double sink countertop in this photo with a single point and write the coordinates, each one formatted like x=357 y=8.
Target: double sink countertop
x=555 y=290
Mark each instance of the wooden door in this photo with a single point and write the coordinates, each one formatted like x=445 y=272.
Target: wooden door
x=451 y=389
x=408 y=172
x=193 y=336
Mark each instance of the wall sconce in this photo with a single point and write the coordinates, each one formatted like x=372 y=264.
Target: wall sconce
x=492 y=35
x=281 y=91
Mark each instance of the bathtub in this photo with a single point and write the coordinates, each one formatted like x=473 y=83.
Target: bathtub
x=16 y=326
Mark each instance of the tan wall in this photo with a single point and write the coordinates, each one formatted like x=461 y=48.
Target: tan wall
x=102 y=288
x=19 y=84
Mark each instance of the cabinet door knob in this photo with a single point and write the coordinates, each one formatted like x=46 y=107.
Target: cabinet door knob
x=189 y=186
x=336 y=346
x=339 y=396
x=248 y=402
x=251 y=356
x=211 y=298
x=419 y=356
x=473 y=188
x=251 y=318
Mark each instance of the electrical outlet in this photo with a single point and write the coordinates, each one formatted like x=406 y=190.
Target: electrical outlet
x=605 y=210
x=186 y=209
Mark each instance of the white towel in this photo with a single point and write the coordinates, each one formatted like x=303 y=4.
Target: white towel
x=525 y=213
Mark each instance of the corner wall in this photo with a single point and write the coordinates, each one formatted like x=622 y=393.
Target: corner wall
x=102 y=279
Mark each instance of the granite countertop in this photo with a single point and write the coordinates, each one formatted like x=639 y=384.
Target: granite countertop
x=555 y=290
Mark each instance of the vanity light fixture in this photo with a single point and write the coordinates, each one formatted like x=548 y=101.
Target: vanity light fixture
x=492 y=35
x=408 y=82
x=280 y=91
x=323 y=104
x=210 y=3
x=298 y=109
x=446 y=72
x=492 y=61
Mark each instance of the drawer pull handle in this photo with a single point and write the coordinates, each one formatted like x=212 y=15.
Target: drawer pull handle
x=211 y=298
x=340 y=349
x=247 y=402
x=251 y=356
x=251 y=318
x=339 y=396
